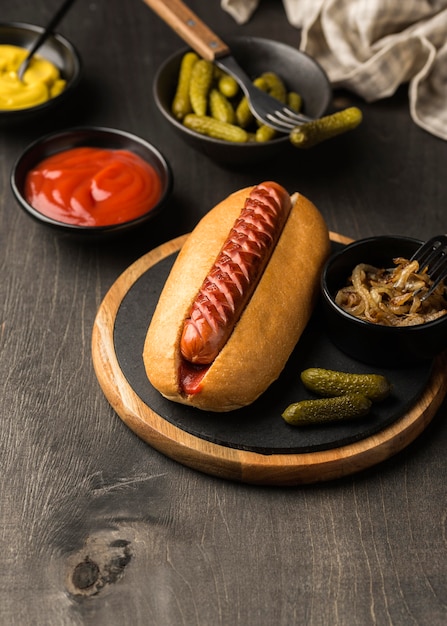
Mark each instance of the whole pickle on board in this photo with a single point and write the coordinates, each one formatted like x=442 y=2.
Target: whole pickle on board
x=330 y=383
x=324 y=410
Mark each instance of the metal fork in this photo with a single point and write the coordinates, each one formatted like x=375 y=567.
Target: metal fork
x=191 y=29
x=265 y=108
x=433 y=256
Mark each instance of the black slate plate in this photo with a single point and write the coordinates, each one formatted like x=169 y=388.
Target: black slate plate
x=259 y=427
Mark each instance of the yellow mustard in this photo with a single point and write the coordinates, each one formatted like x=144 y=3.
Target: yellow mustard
x=41 y=81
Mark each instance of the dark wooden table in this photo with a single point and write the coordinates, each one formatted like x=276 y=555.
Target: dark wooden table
x=99 y=528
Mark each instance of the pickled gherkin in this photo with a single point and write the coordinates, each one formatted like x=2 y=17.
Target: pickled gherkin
x=220 y=107
x=207 y=125
x=200 y=86
x=329 y=383
x=228 y=86
x=265 y=133
x=294 y=101
x=181 y=104
x=312 y=133
x=274 y=86
x=326 y=410
x=244 y=115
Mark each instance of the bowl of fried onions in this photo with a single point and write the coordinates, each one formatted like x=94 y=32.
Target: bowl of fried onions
x=374 y=305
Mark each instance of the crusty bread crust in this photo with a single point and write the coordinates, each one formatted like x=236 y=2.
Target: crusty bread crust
x=271 y=323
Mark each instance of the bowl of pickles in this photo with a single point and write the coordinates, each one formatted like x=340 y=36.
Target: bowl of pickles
x=220 y=124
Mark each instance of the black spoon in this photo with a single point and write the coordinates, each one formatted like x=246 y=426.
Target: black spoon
x=44 y=35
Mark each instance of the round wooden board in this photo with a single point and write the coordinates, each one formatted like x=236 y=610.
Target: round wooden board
x=228 y=462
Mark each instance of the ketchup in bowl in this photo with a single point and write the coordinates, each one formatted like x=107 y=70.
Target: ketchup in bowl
x=90 y=186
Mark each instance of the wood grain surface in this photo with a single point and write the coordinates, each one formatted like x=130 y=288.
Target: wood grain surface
x=99 y=528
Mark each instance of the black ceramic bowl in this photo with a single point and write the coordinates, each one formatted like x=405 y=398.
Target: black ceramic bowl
x=299 y=72
x=98 y=137
x=55 y=49
x=365 y=341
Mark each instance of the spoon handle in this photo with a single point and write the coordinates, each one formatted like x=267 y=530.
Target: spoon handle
x=190 y=28
x=51 y=25
x=45 y=33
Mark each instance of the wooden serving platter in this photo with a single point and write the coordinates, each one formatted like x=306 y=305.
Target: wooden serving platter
x=252 y=445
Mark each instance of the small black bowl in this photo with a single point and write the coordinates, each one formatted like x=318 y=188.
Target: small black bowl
x=371 y=343
x=55 y=49
x=98 y=137
x=298 y=70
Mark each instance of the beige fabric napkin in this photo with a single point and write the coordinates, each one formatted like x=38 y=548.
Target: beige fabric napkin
x=371 y=47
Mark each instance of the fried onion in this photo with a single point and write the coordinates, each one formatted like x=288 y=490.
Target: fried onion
x=392 y=297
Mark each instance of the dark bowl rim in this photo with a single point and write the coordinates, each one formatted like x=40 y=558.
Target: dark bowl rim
x=351 y=319
x=82 y=229
x=216 y=142
x=71 y=84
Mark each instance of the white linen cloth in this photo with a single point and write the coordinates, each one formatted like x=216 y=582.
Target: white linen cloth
x=371 y=47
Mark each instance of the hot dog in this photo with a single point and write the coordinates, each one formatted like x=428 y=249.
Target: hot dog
x=237 y=299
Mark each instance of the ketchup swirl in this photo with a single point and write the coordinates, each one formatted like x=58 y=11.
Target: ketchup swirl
x=90 y=186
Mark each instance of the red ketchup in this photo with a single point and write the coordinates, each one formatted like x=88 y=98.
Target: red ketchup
x=190 y=377
x=93 y=186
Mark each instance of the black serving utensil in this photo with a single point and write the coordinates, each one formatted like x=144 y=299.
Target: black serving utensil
x=48 y=30
x=433 y=256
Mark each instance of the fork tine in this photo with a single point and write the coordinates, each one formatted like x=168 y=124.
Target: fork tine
x=290 y=117
x=423 y=251
x=270 y=120
x=285 y=119
x=430 y=251
x=440 y=265
x=433 y=256
x=441 y=276
x=278 y=122
x=427 y=258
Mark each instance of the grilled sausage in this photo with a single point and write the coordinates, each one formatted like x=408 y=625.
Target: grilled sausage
x=235 y=273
